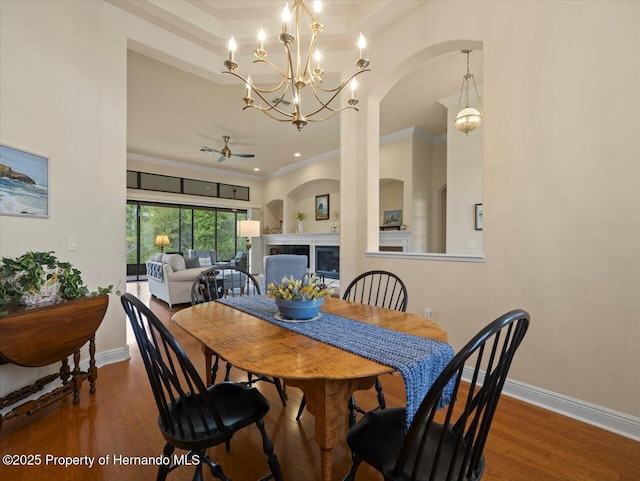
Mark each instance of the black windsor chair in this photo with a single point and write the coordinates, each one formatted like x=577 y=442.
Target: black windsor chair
x=450 y=449
x=191 y=416
x=217 y=282
x=380 y=289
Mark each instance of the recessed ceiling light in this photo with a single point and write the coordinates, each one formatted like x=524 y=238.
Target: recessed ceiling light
x=255 y=169
x=297 y=154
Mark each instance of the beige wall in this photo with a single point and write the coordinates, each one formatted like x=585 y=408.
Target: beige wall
x=561 y=196
x=63 y=96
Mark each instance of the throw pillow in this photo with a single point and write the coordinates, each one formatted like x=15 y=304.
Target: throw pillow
x=176 y=261
x=157 y=257
x=205 y=261
x=192 y=262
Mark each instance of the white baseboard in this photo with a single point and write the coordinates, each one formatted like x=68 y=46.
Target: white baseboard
x=108 y=357
x=599 y=416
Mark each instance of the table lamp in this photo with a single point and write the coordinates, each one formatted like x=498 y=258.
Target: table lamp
x=162 y=240
x=248 y=229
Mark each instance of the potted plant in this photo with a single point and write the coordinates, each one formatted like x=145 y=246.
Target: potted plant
x=300 y=216
x=299 y=299
x=37 y=277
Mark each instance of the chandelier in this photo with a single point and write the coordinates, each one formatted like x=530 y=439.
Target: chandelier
x=298 y=73
x=468 y=118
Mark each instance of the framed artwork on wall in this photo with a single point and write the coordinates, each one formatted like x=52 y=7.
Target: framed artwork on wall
x=322 y=207
x=392 y=218
x=24 y=183
x=478 y=216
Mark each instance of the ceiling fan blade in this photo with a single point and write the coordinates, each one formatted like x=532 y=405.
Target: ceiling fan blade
x=204 y=148
x=243 y=155
x=222 y=159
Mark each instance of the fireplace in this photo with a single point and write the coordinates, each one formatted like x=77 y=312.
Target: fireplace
x=328 y=261
x=300 y=250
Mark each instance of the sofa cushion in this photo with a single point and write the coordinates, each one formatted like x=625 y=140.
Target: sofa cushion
x=183 y=275
x=204 y=261
x=157 y=257
x=176 y=261
x=203 y=254
x=192 y=262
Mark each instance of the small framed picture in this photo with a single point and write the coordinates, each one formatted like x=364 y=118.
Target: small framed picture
x=24 y=183
x=392 y=218
x=322 y=207
x=478 y=216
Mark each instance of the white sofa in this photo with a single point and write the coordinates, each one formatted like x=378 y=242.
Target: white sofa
x=170 y=279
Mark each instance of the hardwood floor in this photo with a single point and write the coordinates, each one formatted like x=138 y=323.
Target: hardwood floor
x=119 y=421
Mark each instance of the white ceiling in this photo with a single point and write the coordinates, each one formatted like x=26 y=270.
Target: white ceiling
x=171 y=112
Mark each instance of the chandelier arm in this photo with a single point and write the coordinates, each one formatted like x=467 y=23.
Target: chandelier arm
x=288 y=117
x=296 y=105
x=285 y=76
x=314 y=37
x=325 y=105
x=259 y=95
x=342 y=85
x=335 y=112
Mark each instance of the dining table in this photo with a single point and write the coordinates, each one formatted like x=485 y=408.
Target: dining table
x=327 y=375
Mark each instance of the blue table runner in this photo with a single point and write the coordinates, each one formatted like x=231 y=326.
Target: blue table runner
x=419 y=360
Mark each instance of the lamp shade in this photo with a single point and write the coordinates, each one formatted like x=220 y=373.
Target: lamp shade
x=162 y=240
x=468 y=119
x=248 y=228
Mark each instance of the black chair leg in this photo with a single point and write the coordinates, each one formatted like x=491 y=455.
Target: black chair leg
x=226 y=376
x=283 y=397
x=164 y=469
x=381 y=402
x=216 y=469
x=267 y=447
x=352 y=411
x=303 y=403
x=197 y=476
x=214 y=370
x=351 y=475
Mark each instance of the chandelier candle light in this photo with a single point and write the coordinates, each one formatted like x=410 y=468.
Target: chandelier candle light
x=298 y=74
x=468 y=118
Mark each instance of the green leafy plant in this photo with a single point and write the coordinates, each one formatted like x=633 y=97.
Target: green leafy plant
x=31 y=271
x=300 y=215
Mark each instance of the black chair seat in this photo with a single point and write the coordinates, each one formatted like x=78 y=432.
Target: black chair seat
x=378 y=438
x=237 y=404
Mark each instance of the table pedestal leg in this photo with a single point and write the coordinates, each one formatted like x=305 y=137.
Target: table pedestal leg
x=327 y=400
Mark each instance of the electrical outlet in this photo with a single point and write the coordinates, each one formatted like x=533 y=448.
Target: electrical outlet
x=428 y=314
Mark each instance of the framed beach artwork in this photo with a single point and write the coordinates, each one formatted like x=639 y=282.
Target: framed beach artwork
x=322 y=207
x=24 y=183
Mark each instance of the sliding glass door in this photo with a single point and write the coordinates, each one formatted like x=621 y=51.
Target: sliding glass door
x=185 y=227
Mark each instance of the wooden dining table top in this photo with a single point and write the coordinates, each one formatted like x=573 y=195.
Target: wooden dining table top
x=261 y=347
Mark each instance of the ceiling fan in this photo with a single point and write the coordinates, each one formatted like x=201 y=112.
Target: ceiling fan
x=225 y=152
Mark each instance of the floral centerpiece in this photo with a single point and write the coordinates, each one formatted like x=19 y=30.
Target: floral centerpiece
x=299 y=299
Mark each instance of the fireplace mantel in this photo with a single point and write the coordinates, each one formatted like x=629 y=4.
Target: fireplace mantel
x=399 y=238
x=311 y=239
